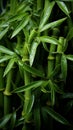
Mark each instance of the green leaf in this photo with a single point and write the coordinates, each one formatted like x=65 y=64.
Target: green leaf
x=46 y=14
x=68 y=95
x=6 y=50
x=48 y=39
x=51 y=84
x=21 y=25
x=32 y=85
x=70 y=34
x=30 y=105
x=3 y=32
x=5 y=58
x=16 y=17
x=4 y=120
x=33 y=52
x=56 y=115
x=13 y=120
x=55 y=71
x=69 y=57
x=31 y=70
x=63 y=7
x=52 y=24
x=9 y=66
x=64 y=66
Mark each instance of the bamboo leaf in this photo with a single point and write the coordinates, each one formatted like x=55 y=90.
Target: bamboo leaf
x=70 y=34
x=13 y=120
x=32 y=85
x=3 y=32
x=31 y=70
x=46 y=14
x=48 y=39
x=33 y=52
x=56 y=115
x=5 y=58
x=22 y=24
x=68 y=95
x=63 y=7
x=6 y=50
x=64 y=67
x=51 y=84
x=30 y=105
x=4 y=120
x=69 y=57
x=9 y=66
x=53 y=24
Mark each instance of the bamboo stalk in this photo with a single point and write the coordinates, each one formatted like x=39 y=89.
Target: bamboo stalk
x=51 y=57
x=1 y=90
x=7 y=93
x=27 y=94
x=59 y=50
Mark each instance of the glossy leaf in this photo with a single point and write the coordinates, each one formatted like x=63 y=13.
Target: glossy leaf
x=3 y=32
x=46 y=14
x=56 y=115
x=48 y=39
x=32 y=85
x=63 y=7
x=70 y=34
x=4 y=58
x=64 y=66
x=31 y=70
x=9 y=66
x=52 y=24
x=16 y=17
x=69 y=57
x=6 y=50
x=32 y=35
x=22 y=24
x=30 y=105
x=51 y=84
x=13 y=120
x=4 y=120
x=33 y=52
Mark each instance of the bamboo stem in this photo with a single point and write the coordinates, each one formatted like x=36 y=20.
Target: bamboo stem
x=27 y=94
x=1 y=90
x=59 y=50
x=7 y=93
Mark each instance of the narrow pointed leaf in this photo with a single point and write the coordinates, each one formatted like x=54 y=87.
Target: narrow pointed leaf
x=5 y=58
x=52 y=24
x=3 y=32
x=46 y=14
x=33 y=52
x=63 y=7
x=13 y=120
x=22 y=24
x=9 y=66
x=6 y=50
x=48 y=39
x=31 y=70
x=32 y=85
x=30 y=105
x=4 y=120
x=70 y=34
x=69 y=57
x=56 y=115
x=64 y=66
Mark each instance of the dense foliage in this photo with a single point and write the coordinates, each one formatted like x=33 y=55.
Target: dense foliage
x=36 y=64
